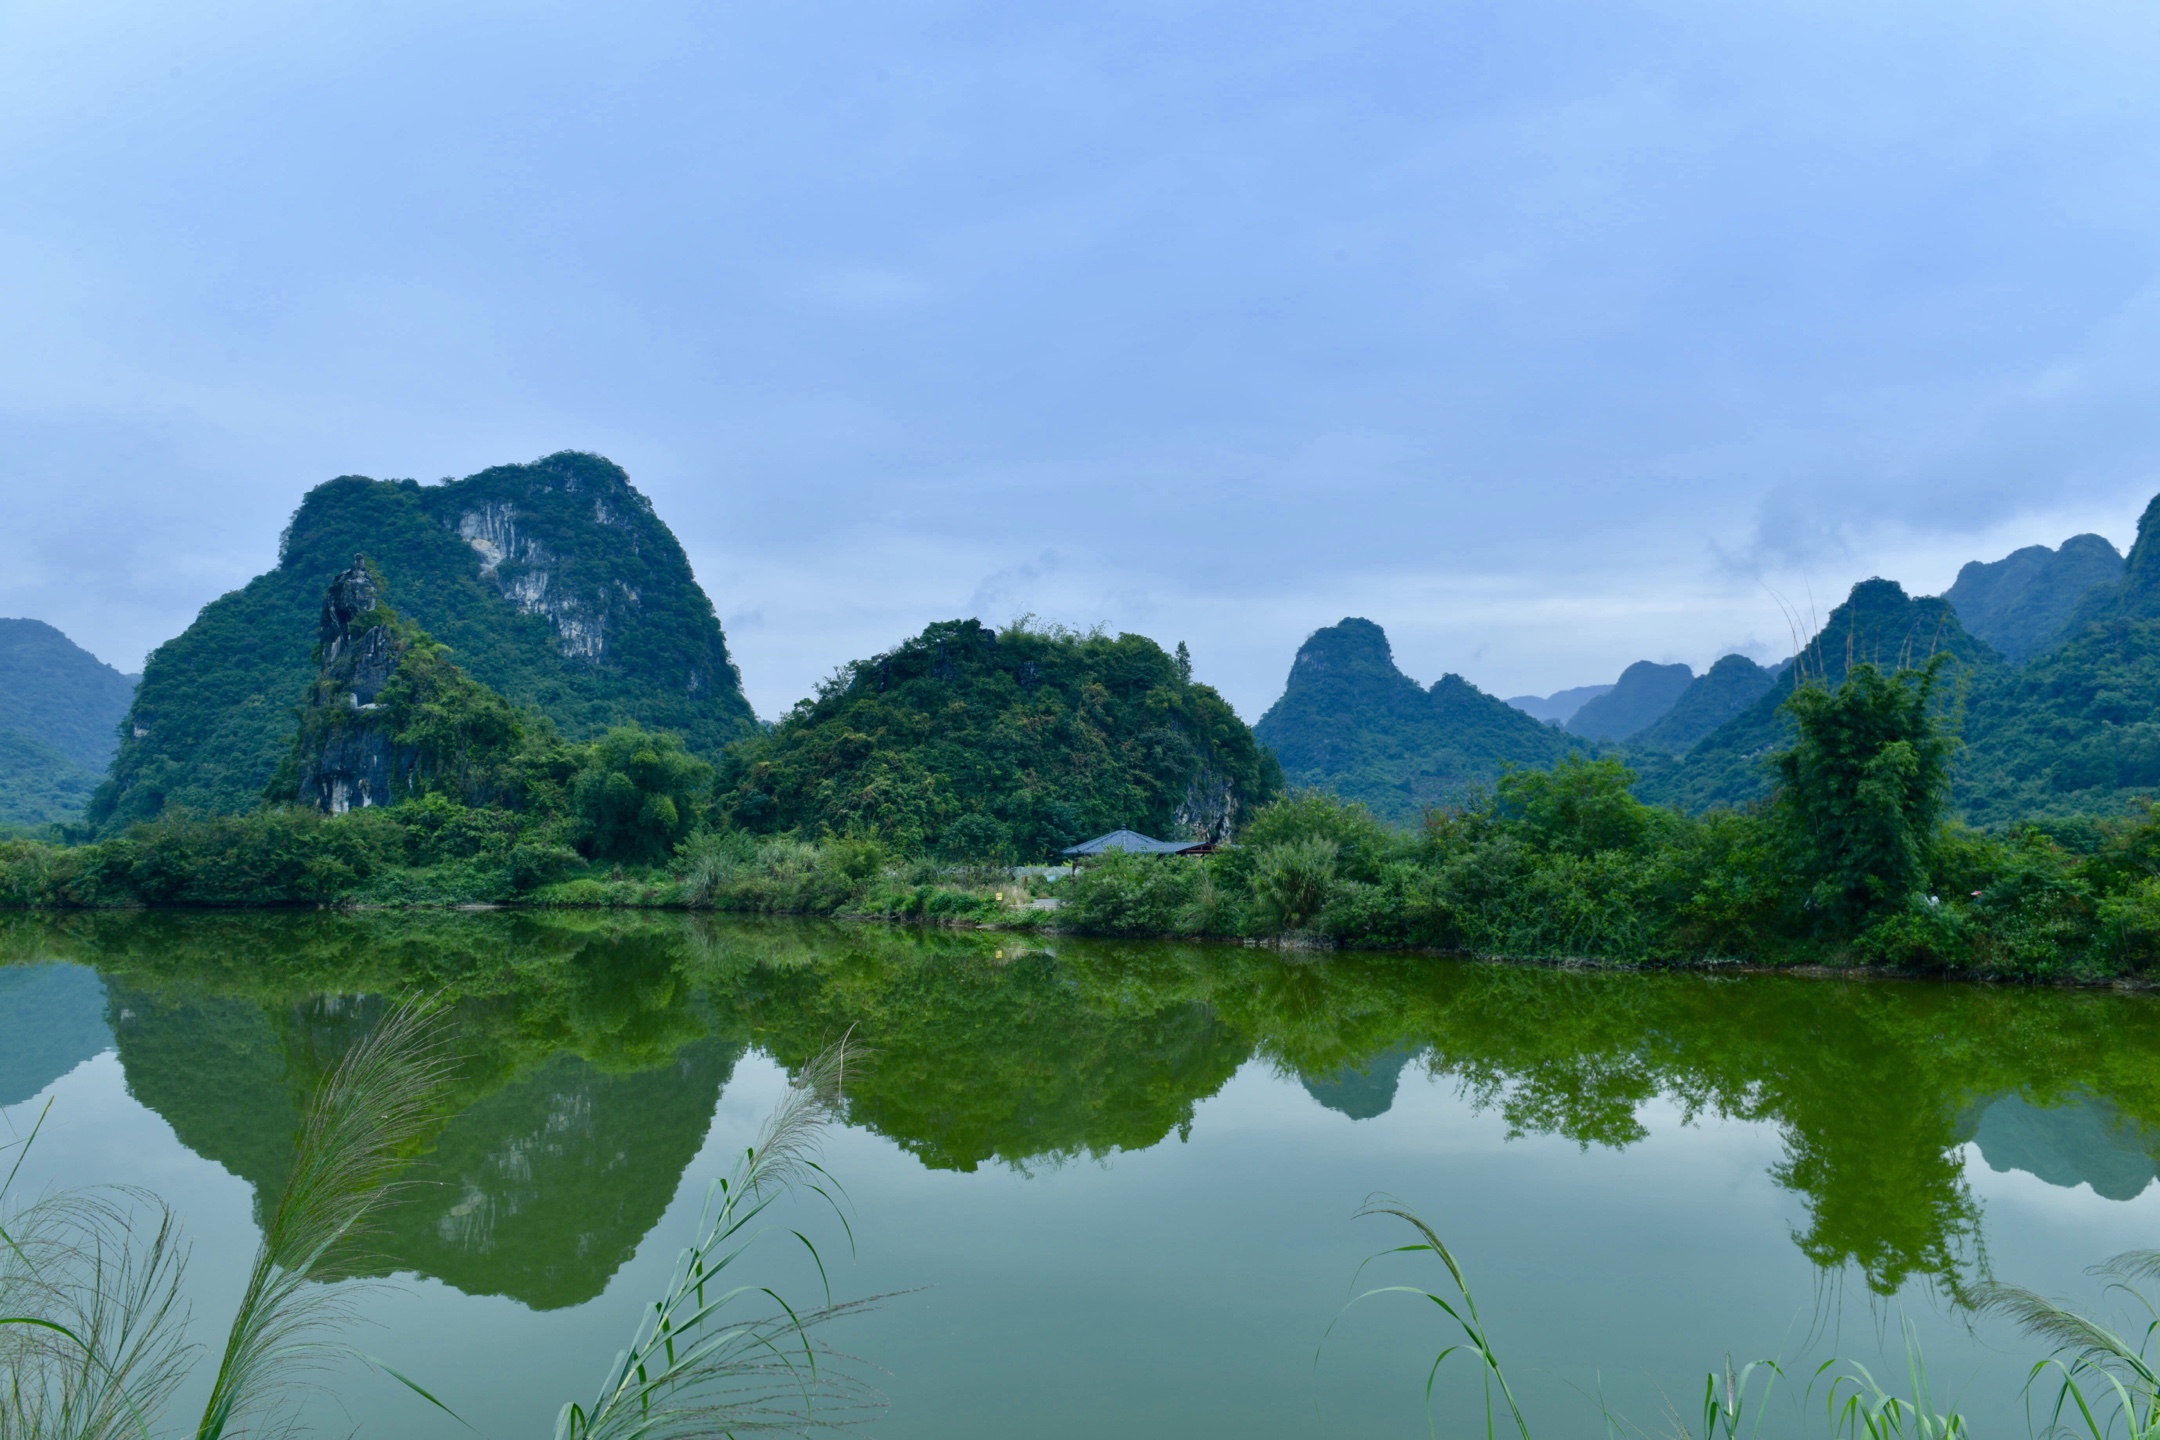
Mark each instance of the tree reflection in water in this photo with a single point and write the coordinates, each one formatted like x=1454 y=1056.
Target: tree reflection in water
x=596 y=1047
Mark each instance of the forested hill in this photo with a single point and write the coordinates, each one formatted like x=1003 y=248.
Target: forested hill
x=1711 y=699
x=1349 y=722
x=1644 y=692
x=2023 y=603
x=2077 y=730
x=553 y=583
x=60 y=710
x=1879 y=624
x=1015 y=743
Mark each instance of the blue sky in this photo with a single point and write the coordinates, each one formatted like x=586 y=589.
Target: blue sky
x=1549 y=335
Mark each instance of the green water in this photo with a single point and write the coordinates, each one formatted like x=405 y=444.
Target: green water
x=1119 y=1180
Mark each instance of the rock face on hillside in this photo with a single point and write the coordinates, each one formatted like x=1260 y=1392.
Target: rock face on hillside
x=2023 y=603
x=1879 y=624
x=1644 y=692
x=552 y=583
x=357 y=762
x=389 y=718
x=1350 y=723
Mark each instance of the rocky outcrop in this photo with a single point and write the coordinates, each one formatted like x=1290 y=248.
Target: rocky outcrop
x=348 y=756
x=553 y=583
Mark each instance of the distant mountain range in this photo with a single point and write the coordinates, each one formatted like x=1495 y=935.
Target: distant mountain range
x=1351 y=723
x=2055 y=679
x=2022 y=603
x=1559 y=707
x=60 y=712
x=1644 y=692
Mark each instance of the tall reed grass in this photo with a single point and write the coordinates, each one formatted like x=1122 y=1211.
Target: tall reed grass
x=93 y=1326
x=2098 y=1383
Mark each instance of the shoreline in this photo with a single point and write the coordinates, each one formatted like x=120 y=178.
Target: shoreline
x=1292 y=948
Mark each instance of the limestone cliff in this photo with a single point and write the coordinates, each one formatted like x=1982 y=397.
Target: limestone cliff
x=554 y=583
x=389 y=718
x=356 y=762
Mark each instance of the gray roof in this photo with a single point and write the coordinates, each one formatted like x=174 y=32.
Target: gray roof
x=1130 y=842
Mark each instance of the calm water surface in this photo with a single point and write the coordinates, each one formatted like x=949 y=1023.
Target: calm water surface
x=1120 y=1179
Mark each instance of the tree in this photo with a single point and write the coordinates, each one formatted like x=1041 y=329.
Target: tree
x=638 y=793
x=1862 y=790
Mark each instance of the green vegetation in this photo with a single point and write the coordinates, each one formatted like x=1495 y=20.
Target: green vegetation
x=92 y=1331
x=54 y=692
x=1009 y=744
x=1711 y=699
x=2022 y=603
x=1352 y=724
x=38 y=785
x=1851 y=862
x=553 y=584
x=60 y=709
x=1878 y=625
x=1644 y=692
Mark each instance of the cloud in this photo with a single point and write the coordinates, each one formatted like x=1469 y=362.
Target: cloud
x=1549 y=335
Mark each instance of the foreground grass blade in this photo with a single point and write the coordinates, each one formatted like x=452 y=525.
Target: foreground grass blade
x=357 y=1134
x=697 y=1368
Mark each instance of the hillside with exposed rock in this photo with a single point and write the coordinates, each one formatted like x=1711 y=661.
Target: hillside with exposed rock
x=553 y=584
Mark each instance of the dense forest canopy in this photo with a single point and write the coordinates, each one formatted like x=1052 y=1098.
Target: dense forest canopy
x=1013 y=742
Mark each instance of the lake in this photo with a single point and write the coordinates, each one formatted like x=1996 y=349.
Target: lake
x=1118 y=1182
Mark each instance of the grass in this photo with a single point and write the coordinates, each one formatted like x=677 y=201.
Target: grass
x=93 y=1327
x=2097 y=1382
x=697 y=1364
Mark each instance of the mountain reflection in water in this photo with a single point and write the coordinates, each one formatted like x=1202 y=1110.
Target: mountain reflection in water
x=595 y=1047
x=2082 y=1140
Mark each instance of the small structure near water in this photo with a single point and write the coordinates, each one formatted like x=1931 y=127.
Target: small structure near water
x=1132 y=842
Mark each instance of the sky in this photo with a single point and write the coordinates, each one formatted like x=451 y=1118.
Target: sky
x=1550 y=334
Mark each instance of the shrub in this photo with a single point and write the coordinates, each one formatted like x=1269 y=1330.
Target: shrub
x=1139 y=895
x=1292 y=880
x=637 y=794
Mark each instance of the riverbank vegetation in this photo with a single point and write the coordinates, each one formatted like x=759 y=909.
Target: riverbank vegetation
x=1853 y=861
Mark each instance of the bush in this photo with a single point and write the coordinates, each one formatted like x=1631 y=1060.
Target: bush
x=637 y=794
x=1292 y=879
x=1139 y=895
